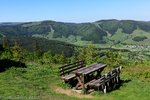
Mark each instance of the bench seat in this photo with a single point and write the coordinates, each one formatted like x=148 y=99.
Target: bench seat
x=97 y=82
x=68 y=77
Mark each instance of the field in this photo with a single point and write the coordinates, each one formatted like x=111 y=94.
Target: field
x=43 y=82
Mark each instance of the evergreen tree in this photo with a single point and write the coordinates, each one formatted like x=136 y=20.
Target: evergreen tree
x=89 y=54
x=47 y=57
x=6 y=44
x=60 y=58
x=6 y=54
x=112 y=58
x=37 y=50
x=17 y=51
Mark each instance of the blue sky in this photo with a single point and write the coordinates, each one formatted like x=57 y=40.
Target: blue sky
x=73 y=10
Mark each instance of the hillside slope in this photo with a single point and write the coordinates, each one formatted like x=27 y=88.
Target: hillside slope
x=99 y=32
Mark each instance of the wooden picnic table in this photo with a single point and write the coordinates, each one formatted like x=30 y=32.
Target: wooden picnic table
x=85 y=71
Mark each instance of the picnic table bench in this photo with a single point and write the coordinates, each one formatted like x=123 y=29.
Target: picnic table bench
x=89 y=77
x=106 y=81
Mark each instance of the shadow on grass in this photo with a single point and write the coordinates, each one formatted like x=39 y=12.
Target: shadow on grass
x=1 y=48
x=113 y=86
x=6 y=64
x=122 y=82
x=118 y=85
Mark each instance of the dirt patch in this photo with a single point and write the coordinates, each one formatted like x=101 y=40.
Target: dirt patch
x=72 y=93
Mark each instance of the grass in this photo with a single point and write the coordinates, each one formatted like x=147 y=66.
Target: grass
x=26 y=82
x=136 y=33
x=33 y=82
x=135 y=87
x=119 y=36
x=39 y=82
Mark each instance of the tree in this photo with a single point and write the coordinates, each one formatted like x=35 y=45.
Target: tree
x=47 y=57
x=60 y=58
x=136 y=56
x=5 y=43
x=37 y=50
x=7 y=54
x=112 y=58
x=89 y=54
x=17 y=51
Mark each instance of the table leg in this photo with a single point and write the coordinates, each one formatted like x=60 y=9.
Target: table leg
x=81 y=83
x=98 y=74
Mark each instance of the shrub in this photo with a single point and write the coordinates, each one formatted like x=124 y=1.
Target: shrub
x=7 y=54
x=112 y=59
x=47 y=57
x=89 y=54
x=60 y=58
x=139 y=38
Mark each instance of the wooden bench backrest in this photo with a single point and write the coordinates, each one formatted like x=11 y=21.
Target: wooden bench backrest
x=113 y=73
x=67 y=68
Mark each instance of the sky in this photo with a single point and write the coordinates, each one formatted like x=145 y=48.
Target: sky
x=73 y=10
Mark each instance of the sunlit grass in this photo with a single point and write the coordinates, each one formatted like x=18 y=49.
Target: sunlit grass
x=39 y=82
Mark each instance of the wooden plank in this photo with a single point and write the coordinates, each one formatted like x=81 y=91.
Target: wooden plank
x=66 y=69
x=61 y=72
x=114 y=71
x=80 y=69
x=73 y=66
x=113 y=75
x=67 y=77
x=94 y=69
x=97 y=82
x=84 y=68
x=65 y=72
x=87 y=69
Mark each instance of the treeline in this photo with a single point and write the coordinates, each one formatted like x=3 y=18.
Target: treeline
x=90 y=54
x=32 y=44
x=128 y=26
x=139 y=38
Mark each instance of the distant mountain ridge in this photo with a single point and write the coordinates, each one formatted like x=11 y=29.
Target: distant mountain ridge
x=100 y=32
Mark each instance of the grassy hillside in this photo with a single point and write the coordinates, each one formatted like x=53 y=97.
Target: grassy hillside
x=138 y=33
x=87 y=31
x=42 y=81
x=116 y=34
